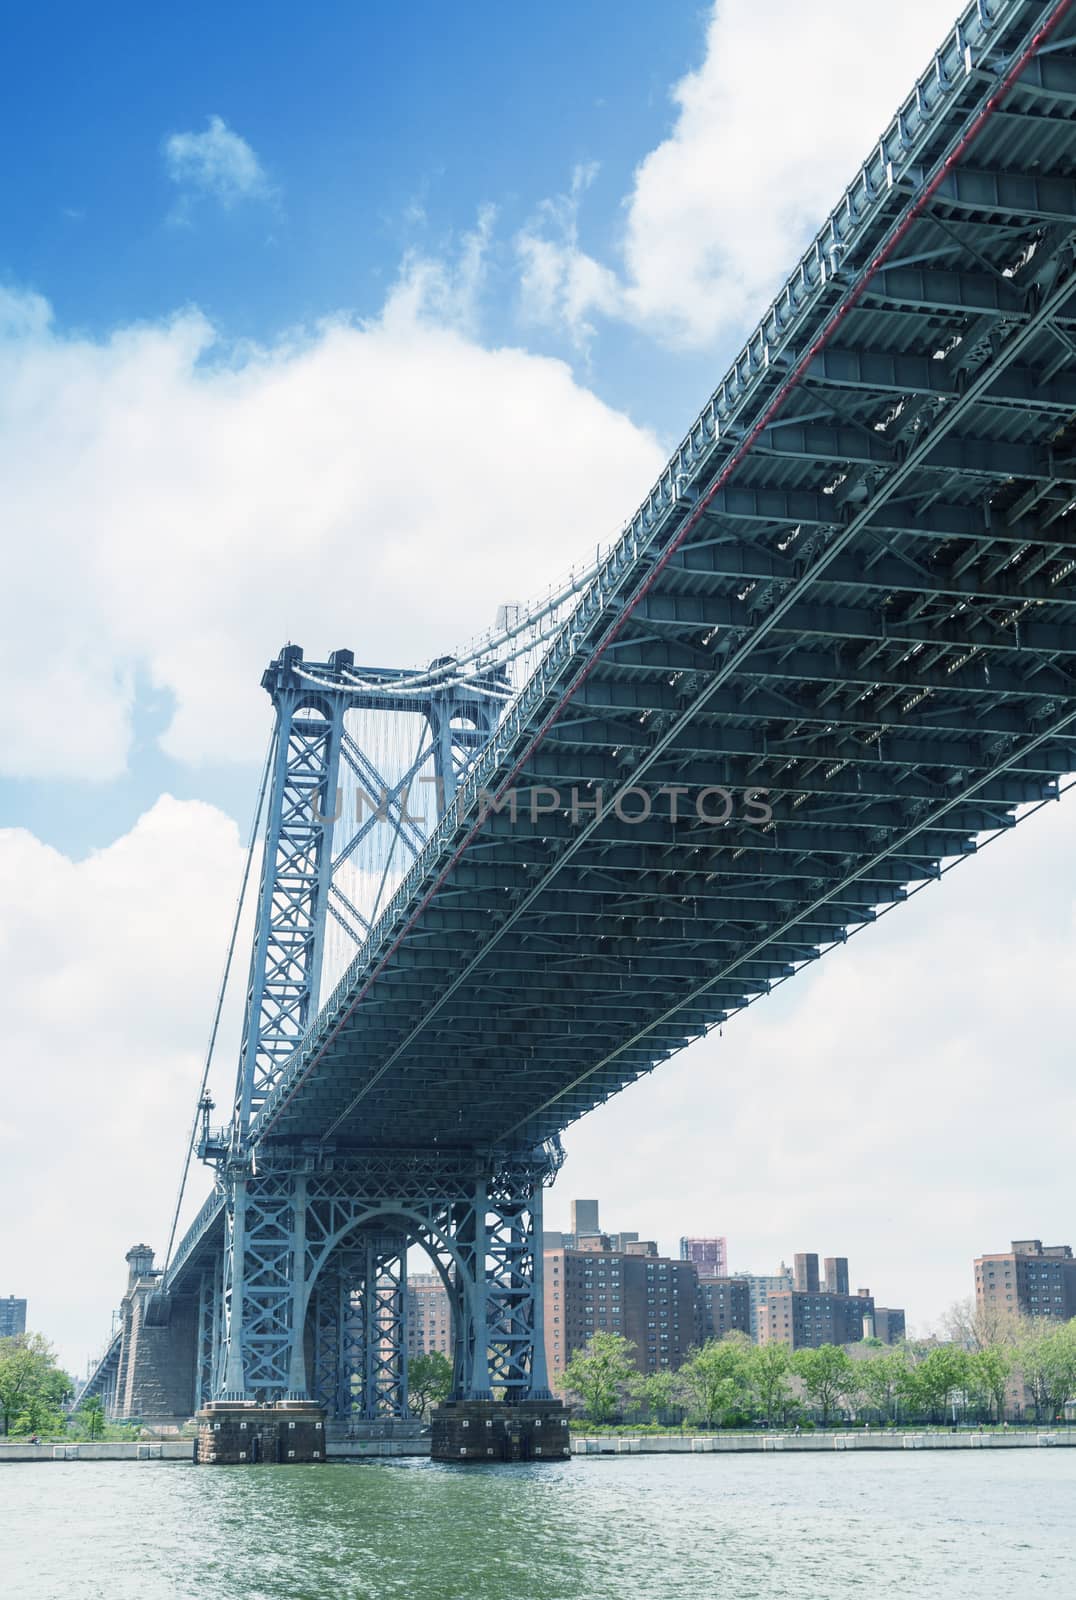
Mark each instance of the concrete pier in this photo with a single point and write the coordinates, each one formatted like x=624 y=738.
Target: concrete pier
x=236 y=1433
x=484 y=1430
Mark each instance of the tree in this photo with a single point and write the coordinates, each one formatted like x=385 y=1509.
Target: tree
x=654 y=1392
x=826 y=1374
x=988 y=1376
x=980 y=1326
x=878 y=1378
x=599 y=1374
x=429 y=1379
x=1047 y=1357
x=931 y=1385
x=714 y=1379
x=32 y=1387
x=768 y=1370
x=91 y=1415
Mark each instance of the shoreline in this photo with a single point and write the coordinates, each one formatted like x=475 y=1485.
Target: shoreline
x=598 y=1444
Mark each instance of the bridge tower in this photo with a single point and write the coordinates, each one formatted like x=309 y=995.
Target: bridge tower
x=305 y=1308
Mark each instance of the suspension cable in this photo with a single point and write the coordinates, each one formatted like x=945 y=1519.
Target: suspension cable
x=251 y=844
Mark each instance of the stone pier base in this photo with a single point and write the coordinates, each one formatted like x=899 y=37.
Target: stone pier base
x=490 y=1430
x=241 y=1433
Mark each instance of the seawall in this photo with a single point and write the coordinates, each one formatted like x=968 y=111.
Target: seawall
x=772 y=1443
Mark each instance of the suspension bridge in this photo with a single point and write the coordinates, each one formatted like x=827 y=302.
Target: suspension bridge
x=832 y=651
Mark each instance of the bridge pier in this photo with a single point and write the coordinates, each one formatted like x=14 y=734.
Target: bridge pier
x=289 y=1433
x=491 y=1430
x=302 y=1317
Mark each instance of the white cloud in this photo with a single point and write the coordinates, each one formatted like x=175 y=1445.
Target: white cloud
x=908 y=1102
x=768 y=131
x=183 y=509
x=112 y=967
x=218 y=162
x=559 y=281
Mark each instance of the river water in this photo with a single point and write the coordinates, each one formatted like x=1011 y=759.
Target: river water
x=720 y=1527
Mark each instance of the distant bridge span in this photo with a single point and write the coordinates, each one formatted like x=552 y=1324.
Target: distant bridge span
x=849 y=602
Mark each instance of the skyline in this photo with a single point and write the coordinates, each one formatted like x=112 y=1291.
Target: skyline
x=196 y=395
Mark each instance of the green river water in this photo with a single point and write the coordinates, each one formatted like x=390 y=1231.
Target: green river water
x=936 y=1527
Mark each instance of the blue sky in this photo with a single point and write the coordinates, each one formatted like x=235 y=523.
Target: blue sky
x=347 y=326
x=378 y=129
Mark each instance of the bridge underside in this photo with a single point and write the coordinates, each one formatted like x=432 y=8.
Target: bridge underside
x=834 y=649
x=857 y=595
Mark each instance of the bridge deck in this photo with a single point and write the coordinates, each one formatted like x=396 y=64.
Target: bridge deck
x=854 y=587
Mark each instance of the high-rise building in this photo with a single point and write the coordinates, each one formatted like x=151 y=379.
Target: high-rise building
x=710 y=1256
x=888 y=1324
x=805 y=1319
x=724 y=1307
x=759 y=1288
x=1030 y=1278
x=12 y=1317
x=429 y=1315
x=649 y=1299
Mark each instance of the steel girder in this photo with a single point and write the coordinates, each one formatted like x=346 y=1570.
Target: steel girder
x=357 y=1329
x=313 y=1275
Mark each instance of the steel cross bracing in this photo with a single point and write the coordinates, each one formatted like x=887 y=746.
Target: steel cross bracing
x=850 y=601
x=299 y=885
x=312 y=1268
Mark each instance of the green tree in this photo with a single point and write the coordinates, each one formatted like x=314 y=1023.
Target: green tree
x=988 y=1375
x=878 y=1379
x=654 y=1392
x=768 y=1369
x=91 y=1416
x=931 y=1385
x=714 y=1379
x=32 y=1387
x=599 y=1374
x=1046 y=1356
x=429 y=1379
x=826 y=1374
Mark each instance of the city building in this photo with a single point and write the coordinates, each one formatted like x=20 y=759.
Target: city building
x=759 y=1288
x=888 y=1325
x=724 y=1307
x=429 y=1315
x=1030 y=1279
x=586 y=1234
x=12 y=1317
x=815 y=1309
x=804 y=1319
x=617 y=1283
x=710 y=1256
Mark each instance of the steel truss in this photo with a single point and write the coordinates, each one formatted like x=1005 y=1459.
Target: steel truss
x=313 y=1276
x=298 y=888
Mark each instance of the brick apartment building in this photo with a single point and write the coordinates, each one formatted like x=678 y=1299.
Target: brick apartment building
x=1030 y=1279
x=617 y=1283
x=822 y=1310
x=429 y=1315
x=724 y=1307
